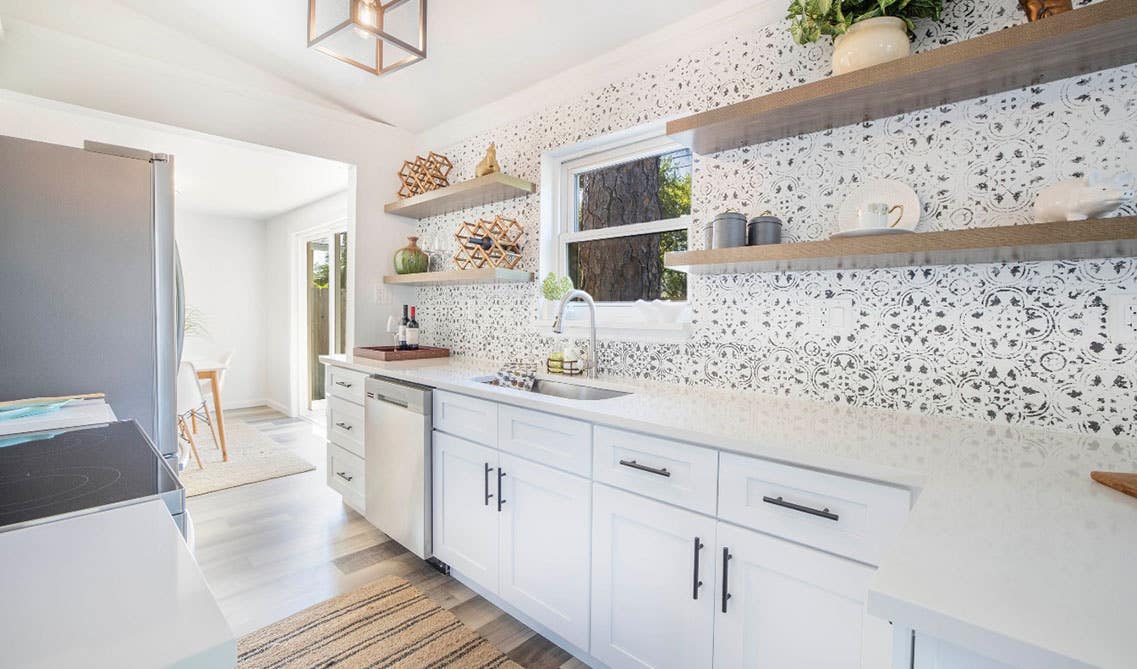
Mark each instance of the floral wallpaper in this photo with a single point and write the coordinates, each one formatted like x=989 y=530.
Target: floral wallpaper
x=1013 y=342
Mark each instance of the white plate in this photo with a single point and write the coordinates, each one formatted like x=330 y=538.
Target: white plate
x=887 y=191
x=870 y=232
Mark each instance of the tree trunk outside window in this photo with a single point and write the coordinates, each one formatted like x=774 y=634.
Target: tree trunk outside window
x=628 y=268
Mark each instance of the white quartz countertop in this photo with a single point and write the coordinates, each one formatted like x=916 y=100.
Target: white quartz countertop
x=1010 y=550
x=115 y=589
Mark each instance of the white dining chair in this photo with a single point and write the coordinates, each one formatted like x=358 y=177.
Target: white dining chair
x=191 y=405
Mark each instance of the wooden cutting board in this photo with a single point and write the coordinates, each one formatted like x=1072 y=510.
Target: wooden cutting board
x=1126 y=483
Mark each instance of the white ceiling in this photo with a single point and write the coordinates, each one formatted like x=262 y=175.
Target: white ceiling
x=212 y=175
x=477 y=51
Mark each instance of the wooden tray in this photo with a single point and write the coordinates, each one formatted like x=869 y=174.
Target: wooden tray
x=391 y=354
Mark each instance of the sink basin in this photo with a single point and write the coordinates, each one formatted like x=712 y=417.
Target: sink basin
x=570 y=391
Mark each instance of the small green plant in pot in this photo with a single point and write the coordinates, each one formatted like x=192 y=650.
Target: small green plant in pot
x=864 y=32
x=553 y=289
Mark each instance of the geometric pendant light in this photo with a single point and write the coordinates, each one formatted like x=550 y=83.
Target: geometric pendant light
x=375 y=36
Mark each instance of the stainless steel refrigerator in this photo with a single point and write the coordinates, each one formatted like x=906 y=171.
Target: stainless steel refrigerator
x=89 y=279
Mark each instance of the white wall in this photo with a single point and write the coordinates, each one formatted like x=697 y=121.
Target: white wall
x=223 y=266
x=282 y=307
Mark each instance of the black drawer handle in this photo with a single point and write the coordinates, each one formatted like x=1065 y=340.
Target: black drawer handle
x=695 y=582
x=662 y=471
x=344 y=476
x=823 y=513
x=500 y=499
x=726 y=558
x=343 y=383
x=343 y=425
x=486 y=480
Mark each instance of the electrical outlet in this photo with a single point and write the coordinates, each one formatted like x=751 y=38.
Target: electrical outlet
x=835 y=316
x=1121 y=318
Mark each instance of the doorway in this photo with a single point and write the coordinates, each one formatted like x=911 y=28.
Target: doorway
x=323 y=321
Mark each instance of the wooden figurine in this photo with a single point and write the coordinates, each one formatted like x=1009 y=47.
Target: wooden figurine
x=1040 y=9
x=489 y=164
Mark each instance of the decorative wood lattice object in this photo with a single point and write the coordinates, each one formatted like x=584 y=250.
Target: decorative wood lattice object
x=424 y=174
x=495 y=243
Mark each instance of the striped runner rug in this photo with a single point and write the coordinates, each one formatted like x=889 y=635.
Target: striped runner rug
x=389 y=623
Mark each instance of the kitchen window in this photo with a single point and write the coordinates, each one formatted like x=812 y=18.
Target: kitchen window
x=618 y=205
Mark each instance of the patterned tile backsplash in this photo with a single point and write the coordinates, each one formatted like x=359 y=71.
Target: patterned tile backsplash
x=1019 y=343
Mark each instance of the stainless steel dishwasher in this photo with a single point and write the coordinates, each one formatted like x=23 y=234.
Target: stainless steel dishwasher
x=396 y=442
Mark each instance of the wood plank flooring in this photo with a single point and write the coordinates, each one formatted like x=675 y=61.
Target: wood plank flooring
x=273 y=548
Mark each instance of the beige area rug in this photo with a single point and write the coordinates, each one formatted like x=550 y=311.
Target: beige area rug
x=253 y=457
x=389 y=623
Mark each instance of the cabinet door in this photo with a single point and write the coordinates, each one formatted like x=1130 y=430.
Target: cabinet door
x=931 y=653
x=790 y=606
x=647 y=607
x=465 y=508
x=545 y=539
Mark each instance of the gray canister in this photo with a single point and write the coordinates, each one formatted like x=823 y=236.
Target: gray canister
x=730 y=230
x=764 y=230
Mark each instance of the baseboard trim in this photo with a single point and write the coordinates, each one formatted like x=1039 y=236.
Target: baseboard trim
x=272 y=404
x=244 y=404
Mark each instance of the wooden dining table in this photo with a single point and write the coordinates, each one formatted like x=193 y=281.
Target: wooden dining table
x=210 y=370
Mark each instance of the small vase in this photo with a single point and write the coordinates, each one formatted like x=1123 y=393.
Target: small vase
x=411 y=259
x=870 y=42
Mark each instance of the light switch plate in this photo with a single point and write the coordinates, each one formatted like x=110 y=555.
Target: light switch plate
x=1121 y=318
x=835 y=316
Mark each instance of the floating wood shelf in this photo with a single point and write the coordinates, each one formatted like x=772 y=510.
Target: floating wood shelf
x=487 y=275
x=482 y=190
x=1077 y=240
x=1097 y=37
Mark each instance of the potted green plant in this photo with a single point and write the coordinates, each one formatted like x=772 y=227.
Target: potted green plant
x=553 y=288
x=864 y=32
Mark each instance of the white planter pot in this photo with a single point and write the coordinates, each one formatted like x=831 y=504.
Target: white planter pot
x=870 y=42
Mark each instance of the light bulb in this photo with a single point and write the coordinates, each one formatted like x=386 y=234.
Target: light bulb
x=366 y=13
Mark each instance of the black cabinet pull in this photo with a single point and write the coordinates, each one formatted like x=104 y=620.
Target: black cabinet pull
x=343 y=425
x=726 y=557
x=486 y=480
x=500 y=476
x=344 y=476
x=696 y=583
x=343 y=383
x=823 y=513
x=662 y=471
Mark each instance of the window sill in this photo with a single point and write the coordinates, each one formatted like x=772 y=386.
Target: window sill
x=655 y=333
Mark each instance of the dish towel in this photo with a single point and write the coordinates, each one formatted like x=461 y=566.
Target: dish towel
x=519 y=375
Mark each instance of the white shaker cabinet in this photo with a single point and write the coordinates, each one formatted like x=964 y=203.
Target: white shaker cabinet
x=545 y=540
x=464 y=493
x=647 y=607
x=787 y=605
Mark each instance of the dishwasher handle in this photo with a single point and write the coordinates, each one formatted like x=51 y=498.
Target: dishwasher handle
x=389 y=400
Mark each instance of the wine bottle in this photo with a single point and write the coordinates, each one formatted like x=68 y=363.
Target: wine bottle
x=484 y=242
x=402 y=345
x=412 y=332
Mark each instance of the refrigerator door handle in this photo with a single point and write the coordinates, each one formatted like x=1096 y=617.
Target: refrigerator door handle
x=180 y=298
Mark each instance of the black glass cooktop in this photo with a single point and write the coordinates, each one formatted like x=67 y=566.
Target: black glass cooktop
x=61 y=473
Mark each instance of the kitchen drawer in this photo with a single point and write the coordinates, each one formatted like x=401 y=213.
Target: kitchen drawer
x=835 y=513
x=466 y=417
x=346 y=384
x=669 y=471
x=345 y=475
x=345 y=425
x=556 y=441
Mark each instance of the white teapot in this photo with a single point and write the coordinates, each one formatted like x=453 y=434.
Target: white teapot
x=1079 y=199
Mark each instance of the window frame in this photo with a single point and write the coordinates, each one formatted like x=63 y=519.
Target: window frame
x=560 y=169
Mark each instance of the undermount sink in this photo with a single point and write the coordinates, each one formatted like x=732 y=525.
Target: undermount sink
x=568 y=391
